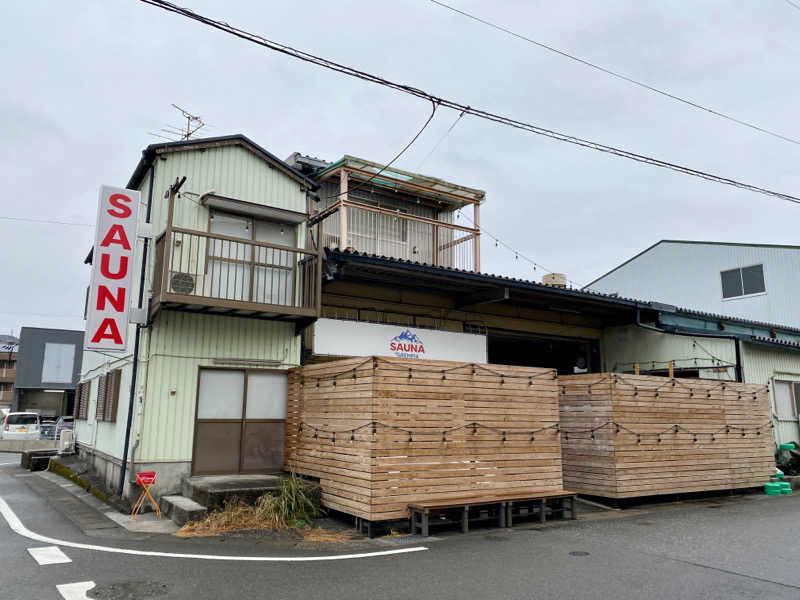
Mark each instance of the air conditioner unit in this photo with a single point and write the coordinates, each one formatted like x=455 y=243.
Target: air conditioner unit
x=182 y=283
x=66 y=442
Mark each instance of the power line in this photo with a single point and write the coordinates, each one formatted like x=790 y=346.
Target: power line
x=483 y=114
x=793 y=4
x=517 y=253
x=617 y=74
x=398 y=155
x=441 y=139
x=27 y=220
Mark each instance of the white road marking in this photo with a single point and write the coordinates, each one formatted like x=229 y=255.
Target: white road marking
x=17 y=526
x=75 y=591
x=11 y=463
x=49 y=555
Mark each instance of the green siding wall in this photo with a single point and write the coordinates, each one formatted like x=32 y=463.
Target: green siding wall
x=180 y=344
x=163 y=423
x=622 y=346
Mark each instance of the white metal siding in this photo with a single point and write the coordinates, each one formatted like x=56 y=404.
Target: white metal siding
x=688 y=275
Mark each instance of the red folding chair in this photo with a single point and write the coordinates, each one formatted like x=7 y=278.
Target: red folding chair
x=145 y=479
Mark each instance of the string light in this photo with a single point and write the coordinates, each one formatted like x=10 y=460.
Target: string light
x=556 y=428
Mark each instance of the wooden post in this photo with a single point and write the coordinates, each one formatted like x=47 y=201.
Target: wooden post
x=635 y=368
x=671 y=367
x=436 y=241
x=476 y=217
x=343 y=181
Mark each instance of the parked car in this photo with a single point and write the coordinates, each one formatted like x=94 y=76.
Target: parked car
x=66 y=422
x=47 y=429
x=20 y=426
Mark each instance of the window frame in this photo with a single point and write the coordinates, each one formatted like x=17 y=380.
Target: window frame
x=794 y=399
x=741 y=280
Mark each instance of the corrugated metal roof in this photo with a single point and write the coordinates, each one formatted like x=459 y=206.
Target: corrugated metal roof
x=700 y=242
x=573 y=292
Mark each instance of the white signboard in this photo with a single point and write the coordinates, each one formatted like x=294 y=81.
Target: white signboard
x=112 y=270
x=351 y=338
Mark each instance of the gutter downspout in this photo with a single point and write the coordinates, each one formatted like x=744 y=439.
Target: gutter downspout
x=724 y=336
x=132 y=395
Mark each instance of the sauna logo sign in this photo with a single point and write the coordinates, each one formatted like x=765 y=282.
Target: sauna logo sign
x=407 y=345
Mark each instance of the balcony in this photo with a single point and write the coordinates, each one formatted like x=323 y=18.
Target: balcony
x=218 y=274
x=7 y=374
x=398 y=215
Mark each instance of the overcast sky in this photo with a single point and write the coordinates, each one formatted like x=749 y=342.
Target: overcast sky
x=84 y=82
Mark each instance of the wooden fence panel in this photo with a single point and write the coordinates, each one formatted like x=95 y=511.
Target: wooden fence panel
x=425 y=430
x=663 y=436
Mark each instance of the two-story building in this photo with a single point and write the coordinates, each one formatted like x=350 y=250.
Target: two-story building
x=47 y=371
x=228 y=286
x=259 y=264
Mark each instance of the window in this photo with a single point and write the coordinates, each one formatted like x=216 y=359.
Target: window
x=108 y=396
x=787 y=399
x=58 y=362
x=743 y=281
x=82 y=399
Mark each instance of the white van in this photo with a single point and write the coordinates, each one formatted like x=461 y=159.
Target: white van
x=20 y=426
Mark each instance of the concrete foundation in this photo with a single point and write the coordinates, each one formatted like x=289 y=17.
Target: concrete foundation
x=169 y=475
x=26 y=445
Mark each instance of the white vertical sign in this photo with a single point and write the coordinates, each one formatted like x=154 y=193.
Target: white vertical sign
x=112 y=269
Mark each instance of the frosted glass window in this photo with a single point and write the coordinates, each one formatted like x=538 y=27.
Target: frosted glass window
x=275 y=233
x=784 y=404
x=58 y=362
x=221 y=393
x=266 y=396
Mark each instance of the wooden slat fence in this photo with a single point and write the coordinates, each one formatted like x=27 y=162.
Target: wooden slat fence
x=620 y=440
x=380 y=433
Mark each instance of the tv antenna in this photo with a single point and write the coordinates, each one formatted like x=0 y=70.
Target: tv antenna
x=194 y=123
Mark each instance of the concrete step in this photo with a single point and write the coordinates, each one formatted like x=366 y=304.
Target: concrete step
x=213 y=491
x=181 y=509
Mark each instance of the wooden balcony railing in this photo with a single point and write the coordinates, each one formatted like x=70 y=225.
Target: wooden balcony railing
x=397 y=234
x=208 y=272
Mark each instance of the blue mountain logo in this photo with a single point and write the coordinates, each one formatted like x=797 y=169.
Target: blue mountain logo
x=407 y=336
x=407 y=345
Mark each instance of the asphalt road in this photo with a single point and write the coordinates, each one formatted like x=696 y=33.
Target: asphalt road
x=741 y=547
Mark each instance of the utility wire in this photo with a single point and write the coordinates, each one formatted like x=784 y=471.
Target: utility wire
x=27 y=220
x=517 y=253
x=483 y=114
x=441 y=139
x=617 y=74
x=793 y=4
x=435 y=105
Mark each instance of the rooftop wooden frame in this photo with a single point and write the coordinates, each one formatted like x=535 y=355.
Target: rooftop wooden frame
x=342 y=205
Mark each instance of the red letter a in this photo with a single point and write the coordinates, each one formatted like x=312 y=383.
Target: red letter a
x=116 y=235
x=107 y=330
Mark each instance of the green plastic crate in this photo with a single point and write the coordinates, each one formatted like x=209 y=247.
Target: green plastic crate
x=772 y=489
x=788 y=446
x=786 y=487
